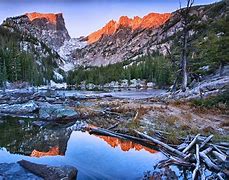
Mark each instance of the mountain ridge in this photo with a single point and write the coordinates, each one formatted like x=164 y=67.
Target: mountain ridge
x=152 y=20
x=48 y=28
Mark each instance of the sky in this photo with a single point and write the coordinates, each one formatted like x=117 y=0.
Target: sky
x=83 y=17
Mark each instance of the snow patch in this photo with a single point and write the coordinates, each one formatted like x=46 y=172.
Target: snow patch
x=68 y=47
x=58 y=76
x=58 y=85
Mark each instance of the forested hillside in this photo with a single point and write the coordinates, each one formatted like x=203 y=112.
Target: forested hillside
x=151 y=68
x=24 y=58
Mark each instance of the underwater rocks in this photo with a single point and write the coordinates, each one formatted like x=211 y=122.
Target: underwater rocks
x=15 y=171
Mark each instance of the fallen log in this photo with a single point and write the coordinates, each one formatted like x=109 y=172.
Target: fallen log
x=219 y=156
x=177 y=152
x=207 y=160
x=104 y=132
x=174 y=161
x=220 y=176
x=114 y=126
x=196 y=170
x=50 y=172
x=206 y=141
x=217 y=149
x=191 y=144
x=115 y=134
x=226 y=144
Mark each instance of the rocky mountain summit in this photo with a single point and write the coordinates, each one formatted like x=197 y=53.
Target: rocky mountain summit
x=151 y=20
x=118 y=41
x=49 y=28
x=131 y=38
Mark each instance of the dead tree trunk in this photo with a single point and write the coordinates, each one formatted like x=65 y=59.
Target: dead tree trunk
x=221 y=68
x=184 y=61
x=185 y=13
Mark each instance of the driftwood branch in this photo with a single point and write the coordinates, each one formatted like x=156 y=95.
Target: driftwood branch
x=219 y=156
x=206 y=141
x=106 y=132
x=196 y=170
x=191 y=144
x=207 y=160
x=114 y=126
x=161 y=144
x=217 y=149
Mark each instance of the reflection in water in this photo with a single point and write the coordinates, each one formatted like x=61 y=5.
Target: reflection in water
x=24 y=138
x=103 y=157
x=54 y=151
x=95 y=157
x=125 y=145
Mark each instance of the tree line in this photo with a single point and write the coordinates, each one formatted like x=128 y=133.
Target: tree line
x=152 y=68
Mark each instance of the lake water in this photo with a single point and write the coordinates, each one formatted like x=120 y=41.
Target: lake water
x=125 y=94
x=96 y=157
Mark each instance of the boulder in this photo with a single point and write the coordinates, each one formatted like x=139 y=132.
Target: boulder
x=50 y=172
x=31 y=171
x=55 y=112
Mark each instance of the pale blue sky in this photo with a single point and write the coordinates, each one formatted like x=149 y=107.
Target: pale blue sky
x=83 y=17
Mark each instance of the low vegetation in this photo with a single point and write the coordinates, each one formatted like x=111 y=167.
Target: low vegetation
x=221 y=101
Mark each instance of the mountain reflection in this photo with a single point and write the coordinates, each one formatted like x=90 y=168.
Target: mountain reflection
x=124 y=144
x=54 y=151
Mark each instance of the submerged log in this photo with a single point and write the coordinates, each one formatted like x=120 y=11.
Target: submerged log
x=50 y=172
x=171 y=149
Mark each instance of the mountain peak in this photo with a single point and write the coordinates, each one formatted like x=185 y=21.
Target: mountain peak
x=51 y=17
x=152 y=20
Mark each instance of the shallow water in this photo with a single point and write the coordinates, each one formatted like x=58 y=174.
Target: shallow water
x=96 y=157
x=126 y=94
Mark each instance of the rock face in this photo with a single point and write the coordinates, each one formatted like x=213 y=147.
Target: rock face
x=49 y=28
x=152 y=20
x=121 y=40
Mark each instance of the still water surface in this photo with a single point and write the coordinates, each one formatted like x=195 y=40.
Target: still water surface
x=96 y=157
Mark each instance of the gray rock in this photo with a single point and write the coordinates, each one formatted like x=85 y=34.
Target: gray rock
x=53 y=112
x=38 y=123
x=24 y=108
x=1 y=121
x=50 y=172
